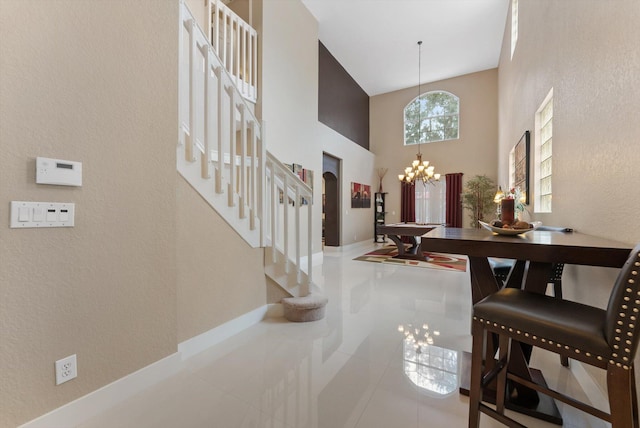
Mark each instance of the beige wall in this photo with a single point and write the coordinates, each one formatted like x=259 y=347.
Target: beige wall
x=587 y=51
x=93 y=82
x=357 y=166
x=289 y=102
x=148 y=264
x=289 y=91
x=220 y=277
x=473 y=153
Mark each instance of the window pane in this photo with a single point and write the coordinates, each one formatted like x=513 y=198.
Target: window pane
x=439 y=113
x=545 y=150
x=545 y=186
x=544 y=155
x=547 y=113
x=545 y=203
x=546 y=132
x=545 y=168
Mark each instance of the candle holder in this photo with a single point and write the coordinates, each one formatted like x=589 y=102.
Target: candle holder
x=507 y=208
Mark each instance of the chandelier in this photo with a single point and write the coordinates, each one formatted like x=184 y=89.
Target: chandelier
x=419 y=169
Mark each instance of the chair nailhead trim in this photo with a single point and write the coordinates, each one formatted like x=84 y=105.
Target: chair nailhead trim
x=567 y=347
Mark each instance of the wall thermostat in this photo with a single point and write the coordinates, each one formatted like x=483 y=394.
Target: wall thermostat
x=58 y=171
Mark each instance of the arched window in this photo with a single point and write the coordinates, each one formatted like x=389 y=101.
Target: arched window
x=439 y=113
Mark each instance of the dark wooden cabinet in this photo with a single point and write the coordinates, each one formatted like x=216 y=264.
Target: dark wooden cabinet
x=379 y=217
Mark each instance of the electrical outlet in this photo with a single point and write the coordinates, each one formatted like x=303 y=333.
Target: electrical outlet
x=66 y=369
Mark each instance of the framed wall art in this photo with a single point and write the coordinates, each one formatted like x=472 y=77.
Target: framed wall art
x=519 y=165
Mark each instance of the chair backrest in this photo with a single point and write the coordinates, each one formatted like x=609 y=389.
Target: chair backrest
x=623 y=311
x=556 y=272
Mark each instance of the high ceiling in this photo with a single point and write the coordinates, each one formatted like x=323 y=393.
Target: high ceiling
x=376 y=41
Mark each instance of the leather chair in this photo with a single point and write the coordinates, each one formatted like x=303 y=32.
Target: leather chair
x=607 y=339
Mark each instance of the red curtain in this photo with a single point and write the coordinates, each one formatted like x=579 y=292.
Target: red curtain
x=454 y=204
x=407 y=202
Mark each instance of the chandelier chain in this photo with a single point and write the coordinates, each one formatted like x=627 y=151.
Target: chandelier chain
x=419 y=169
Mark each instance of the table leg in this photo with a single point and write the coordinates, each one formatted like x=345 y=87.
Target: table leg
x=412 y=253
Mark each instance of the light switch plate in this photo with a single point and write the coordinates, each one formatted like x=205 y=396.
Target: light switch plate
x=42 y=214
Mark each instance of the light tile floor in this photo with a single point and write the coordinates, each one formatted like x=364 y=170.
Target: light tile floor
x=348 y=370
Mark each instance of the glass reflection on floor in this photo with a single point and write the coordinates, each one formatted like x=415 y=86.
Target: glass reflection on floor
x=432 y=368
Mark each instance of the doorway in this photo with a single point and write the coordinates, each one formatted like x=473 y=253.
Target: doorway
x=331 y=200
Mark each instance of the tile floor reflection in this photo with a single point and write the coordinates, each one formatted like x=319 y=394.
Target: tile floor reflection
x=353 y=369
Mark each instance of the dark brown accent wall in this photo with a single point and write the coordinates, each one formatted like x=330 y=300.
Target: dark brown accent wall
x=342 y=104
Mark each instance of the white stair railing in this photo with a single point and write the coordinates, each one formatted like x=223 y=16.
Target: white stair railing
x=222 y=154
x=236 y=44
x=286 y=196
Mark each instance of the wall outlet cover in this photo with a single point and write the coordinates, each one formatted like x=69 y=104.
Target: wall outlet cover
x=66 y=369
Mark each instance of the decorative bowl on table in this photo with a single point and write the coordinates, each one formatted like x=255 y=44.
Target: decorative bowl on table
x=517 y=230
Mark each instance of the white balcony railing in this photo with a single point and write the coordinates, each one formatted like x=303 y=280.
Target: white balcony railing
x=236 y=44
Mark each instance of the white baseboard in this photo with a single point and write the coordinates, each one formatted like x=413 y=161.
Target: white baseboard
x=94 y=403
x=100 y=400
x=203 y=341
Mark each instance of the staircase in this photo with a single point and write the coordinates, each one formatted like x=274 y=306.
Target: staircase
x=222 y=154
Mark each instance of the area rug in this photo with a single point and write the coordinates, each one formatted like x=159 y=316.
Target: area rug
x=436 y=260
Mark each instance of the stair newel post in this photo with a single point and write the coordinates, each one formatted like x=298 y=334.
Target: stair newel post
x=243 y=62
x=243 y=162
x=208 y=125
x=238 y=47
x=309 y=242
x=193 y=69
x=285 y=225
x=211 y=21
x=249 y=69
x=262 y=163
x=253 y=178
x=232 y=145
x=223 y=43
x=219 y=137
x=297 y=206
x=272 y=207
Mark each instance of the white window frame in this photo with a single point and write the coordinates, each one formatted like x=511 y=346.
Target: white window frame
x=425 y=120
x=543 y=171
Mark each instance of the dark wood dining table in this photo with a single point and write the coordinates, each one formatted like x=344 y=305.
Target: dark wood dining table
x=534 y=252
